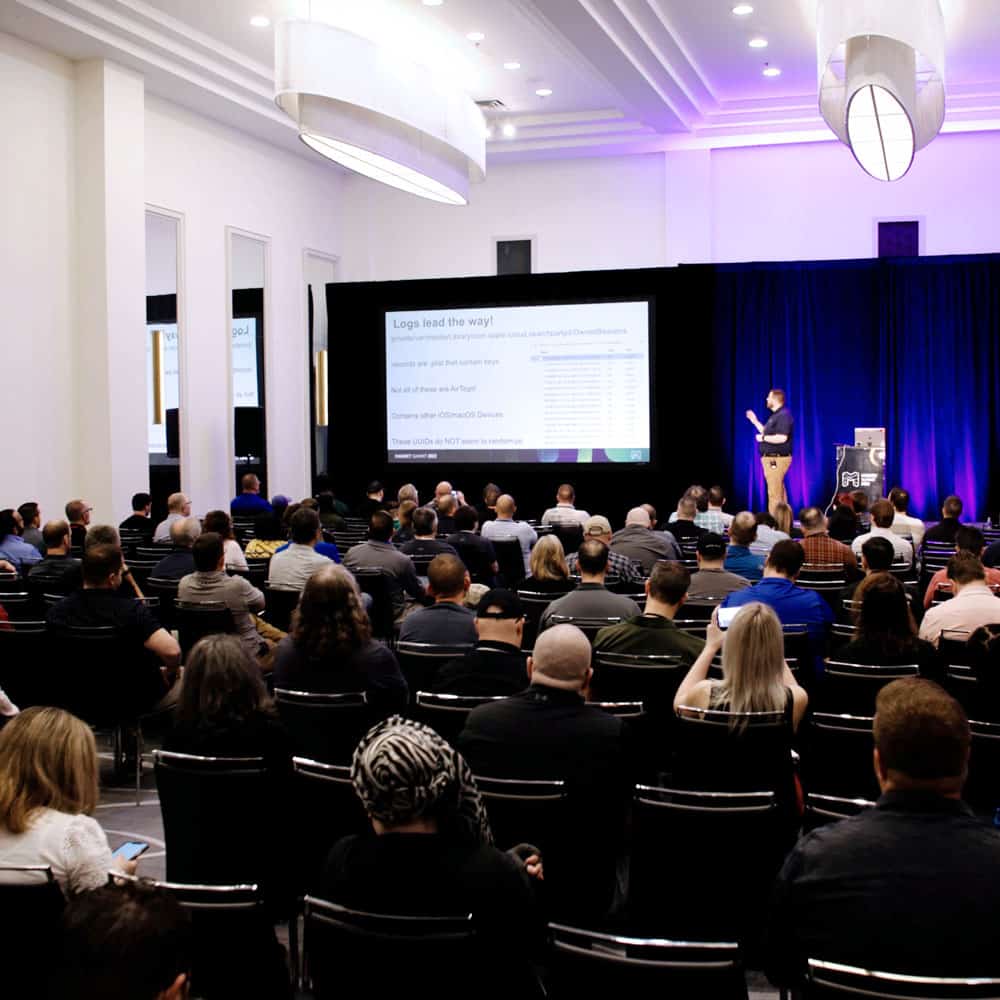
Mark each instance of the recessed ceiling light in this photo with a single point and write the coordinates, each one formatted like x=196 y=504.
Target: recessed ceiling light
x=513 y=64
x=475 y=36
x=740 y=10
x=772 y=71
x=259 y=21
x=509 y=131
x=758 y=43
x=488 y=131
x=544 y=92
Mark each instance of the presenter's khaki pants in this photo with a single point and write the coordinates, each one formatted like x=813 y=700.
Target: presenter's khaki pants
x=775 y=469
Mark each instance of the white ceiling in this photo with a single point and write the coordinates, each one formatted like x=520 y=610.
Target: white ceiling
x=626 y=75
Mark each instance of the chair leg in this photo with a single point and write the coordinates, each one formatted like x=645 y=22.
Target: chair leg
x=294 y=956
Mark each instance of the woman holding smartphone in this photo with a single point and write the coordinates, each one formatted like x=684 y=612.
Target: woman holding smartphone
x=48 y=790
x=755 y=676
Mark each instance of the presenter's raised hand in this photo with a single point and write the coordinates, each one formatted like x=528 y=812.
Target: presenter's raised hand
x=752 y=417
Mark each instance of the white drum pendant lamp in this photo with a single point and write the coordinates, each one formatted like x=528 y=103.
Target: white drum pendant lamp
x=881 y=79
x=375 y=112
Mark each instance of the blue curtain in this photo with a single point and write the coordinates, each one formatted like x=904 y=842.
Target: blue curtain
x=911 y=345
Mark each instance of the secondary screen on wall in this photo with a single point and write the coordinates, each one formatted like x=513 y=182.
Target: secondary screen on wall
x=552 y=383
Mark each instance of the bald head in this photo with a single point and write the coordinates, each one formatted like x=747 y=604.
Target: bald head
x=638 y=516
x=184 y=532
x=561 y=659
x=505 y=506
x=442 y=489
x=176 y=503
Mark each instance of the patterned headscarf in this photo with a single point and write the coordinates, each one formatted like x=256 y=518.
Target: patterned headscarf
x=403 y=769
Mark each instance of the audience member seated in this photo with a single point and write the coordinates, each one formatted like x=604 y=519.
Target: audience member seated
x=432 y=852
x=139 y=522
x=487 y=510
x=443 y=490
x=944 y=530
x=591 y=599
x=178 y=507
x=404 y=520
x=223 y=708
x=407 y=492
x=793 y=605
x=13 y=548
x=638 y=542
x=704 y=517
x=374 y=500
x=768 y=533
x=739 y=559
x=291 y=567
x=564 y=511
x=475 y=551
x=58 y=572
x=711 y=579
x=100 y=603
x=598 y=528
x=973 y=605
x=31 y=522
x=446 y=622
x=843 y=524
x=984 y=657
x=549 y=573
x=209 y=584
x=179 y=562
x=7 y=708
x=654 y=630
x=330 y=645
x=503 y=526
x=325 y=488
x=329 y=517
x=270 y=534
x=683 y=526
x=887 y=633
x=548 y=732
x=716 y=501
x=496 y=665
x=820 y=548
x=445 y=508
x=755 y=676
x=902 y=522
x=249 y=503
x=322 y=546
x=967 y=539
x=881 y=527
x=425 y=541
x=397 y=567
x=219 y=522
x=78 y=514
x=861 y=504
x=48 y=793
x=123 y=942
x=911 y=886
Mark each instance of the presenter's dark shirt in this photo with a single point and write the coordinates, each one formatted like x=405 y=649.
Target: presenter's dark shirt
x=780 y=422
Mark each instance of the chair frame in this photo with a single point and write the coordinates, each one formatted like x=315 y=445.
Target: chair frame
x=869 y=982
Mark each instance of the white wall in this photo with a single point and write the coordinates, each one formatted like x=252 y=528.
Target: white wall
x=585 y=213
x=37 y=282
x=161 y=255
x=218 y=177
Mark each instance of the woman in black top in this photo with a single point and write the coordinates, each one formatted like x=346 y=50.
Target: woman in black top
x=330 y=646
x=224 y=710
x=887 y=633
x=549 y=572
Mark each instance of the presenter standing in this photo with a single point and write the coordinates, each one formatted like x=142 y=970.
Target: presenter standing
x=775 y=443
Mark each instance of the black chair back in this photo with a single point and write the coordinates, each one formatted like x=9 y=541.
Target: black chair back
x=195 y=620
x=382 y=614
x=280 y=604
x=837 y=756
x=534 y=603
x=651 y=679
x=324 y=727
x=982 y=787
x=588 y=626
x=853 y=687
x=257 y=572
x=510 y=559
x=420 y=661
x=588 y=963
x=343 y=947
x=570 y=534
x=10 y=582
x=709 y=901
x=166 y=591
x=21 y=605
x=26 y=663
x=823 y=809
x=701 y=608
x=32 y=902
x=835 y=981
x=446 y=713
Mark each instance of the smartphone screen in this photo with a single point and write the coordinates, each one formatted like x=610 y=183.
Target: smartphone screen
x=130 y=850
x=725 y=615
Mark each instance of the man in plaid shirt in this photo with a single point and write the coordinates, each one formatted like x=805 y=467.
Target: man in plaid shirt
x=627 y=570
x=819 y=547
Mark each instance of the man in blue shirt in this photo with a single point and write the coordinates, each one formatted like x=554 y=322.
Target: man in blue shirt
x=739 y=559
x=13 y=548
x=249 y=503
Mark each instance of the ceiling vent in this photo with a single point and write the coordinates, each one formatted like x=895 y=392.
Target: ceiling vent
x=494 y=104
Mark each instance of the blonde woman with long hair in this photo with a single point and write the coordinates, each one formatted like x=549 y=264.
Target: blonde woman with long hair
x=48 y=790
x=549 y=572
x=755 y=676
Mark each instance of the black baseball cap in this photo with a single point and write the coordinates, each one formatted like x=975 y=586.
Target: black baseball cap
x=712 y=545
x=505 y=600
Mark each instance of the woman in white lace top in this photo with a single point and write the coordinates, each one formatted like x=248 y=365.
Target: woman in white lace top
x=48 y=789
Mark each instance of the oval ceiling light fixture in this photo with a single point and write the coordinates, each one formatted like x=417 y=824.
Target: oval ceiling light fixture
x=260 y=21
x=509 y=130
x=512 y=64
x=743 y=10
x=369 y=107
x=771 y=71
x=543 y=92
x=475 y=36
x=757 y=43
x=881 y=79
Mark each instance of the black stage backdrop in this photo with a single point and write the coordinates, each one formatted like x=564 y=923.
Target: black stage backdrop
x=909 y=344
